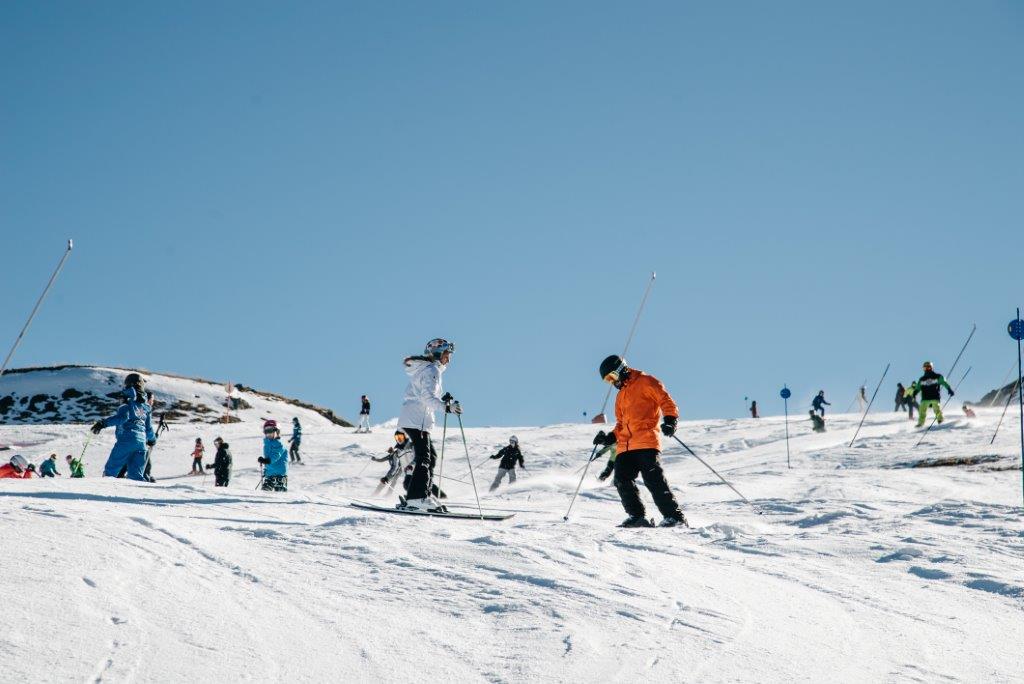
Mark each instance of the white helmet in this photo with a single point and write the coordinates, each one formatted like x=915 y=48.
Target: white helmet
x=513 y=440
x=438 y=346
x=19 y=462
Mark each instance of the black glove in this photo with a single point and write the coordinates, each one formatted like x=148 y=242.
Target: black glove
x=263 y=459
x=151 y=443
x=457 y=409
x=208 y=466
x=447 y=398
x=604 y=438
x=606 y=473
x=383 y=480
x=952 y=393
x=31 y=467
x=97 y=426
x=599 y=438
x=668 y=425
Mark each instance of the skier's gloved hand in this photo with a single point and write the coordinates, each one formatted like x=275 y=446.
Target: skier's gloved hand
x=952 y=393
x=668 y=425
x=97 y=426
x=151 y=443
x=605 y=438
x=606 y=473
x=383 y=480
x=447 y=398
x=457 y=408
x=264 y=460
x=599 y=438
x=31 y=467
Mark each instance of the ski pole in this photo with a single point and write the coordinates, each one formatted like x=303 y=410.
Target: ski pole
x=586 y=467
x=1009 y=398
x=868 y=408
x=468 y=461
x=629 y=339
x=440 y=472
x=948 y=399
x=39 y=302
x=261 y=477
x=854 y=400
x=759 y=511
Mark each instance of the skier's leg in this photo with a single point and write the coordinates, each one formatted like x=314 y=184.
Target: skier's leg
x=422 y=467
x=626 y=470
x=922 y=413
x=512 y=476
x=657 y=485
x=938 y=411
x=137 y=463
x=497 y=479
x=117 y=460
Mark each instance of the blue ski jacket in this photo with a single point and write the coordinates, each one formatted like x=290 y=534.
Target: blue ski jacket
x=278 y=455
x=133 y=421
x=296 y=432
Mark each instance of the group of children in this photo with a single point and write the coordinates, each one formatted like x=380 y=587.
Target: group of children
x=19 y=468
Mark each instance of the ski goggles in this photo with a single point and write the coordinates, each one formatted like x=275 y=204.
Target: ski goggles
x=612 y=377
x=271 y=431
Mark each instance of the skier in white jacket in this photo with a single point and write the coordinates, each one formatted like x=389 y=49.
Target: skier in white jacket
x=423 y=397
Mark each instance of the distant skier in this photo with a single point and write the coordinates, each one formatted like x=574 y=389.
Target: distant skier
x=295 y=441
x=17 y=469
x=509 y=455
x=862 y=397
x=48 y=468
x=817 y=421
x=969 y=412
x=819 y=403
x=753 y=410
x=274 y=459
x=641 y=399
x=221 y=464
x=75 y=466
x=134 y=430
x=197 y=457
x=396 y=457
x=901 y=392
x=422 y=397
x=364 y=415
x=929 y=385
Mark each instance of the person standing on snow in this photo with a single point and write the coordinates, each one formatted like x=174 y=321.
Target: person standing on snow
x=75 y=466
x=817 y=421
x=197 y=457
x=221 y=464
x=274 y=459
x=395 y=457
x=929 y=385
x=641 y=399
x=364 y=415
x=422 y=398
x=910 y=402
x=295 y=441
x=819 y=403
x=509 y=455
x=753 y=410
x=134 y=429
x=48 y=468
x=17 y=469
x=901 y=392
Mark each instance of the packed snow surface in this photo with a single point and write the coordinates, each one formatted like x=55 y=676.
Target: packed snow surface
x=859 y=567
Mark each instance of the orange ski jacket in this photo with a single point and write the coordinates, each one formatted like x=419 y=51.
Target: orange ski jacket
x=638 y=406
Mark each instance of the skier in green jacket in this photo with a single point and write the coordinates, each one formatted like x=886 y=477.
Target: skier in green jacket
x=77 y=470
x=929 y=385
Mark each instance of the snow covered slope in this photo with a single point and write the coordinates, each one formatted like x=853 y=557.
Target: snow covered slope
x=82 y=394
x=861 y=567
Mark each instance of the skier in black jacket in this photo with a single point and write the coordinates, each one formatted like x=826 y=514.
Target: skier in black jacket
x=221 y=463
x=929 y=385
x=509 y=456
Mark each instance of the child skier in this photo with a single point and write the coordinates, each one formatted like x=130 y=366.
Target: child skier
x=75 y=466
x=509 y=455
x=17 y=469
x=221 y=464
x=197 y=457
x=641 y=399
x=395 y=456
x=48 y=468
x=134 y=429
x=819 y=403
x=817 y=421
x=295 y=441
x=364 y=415
x=929 y=385
x=422 y=397
x=274 y=459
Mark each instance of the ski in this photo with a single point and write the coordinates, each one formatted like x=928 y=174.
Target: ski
x=449 y=514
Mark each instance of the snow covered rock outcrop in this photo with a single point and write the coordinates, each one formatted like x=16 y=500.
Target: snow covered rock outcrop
x=82 y=394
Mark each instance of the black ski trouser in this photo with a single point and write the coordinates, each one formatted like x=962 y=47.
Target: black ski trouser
x=423 y=463
x=293 y=450
x=222 y=478
x=645 y=463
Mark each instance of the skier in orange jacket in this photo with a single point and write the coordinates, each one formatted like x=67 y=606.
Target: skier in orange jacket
x=18 y=468
x=641 y=400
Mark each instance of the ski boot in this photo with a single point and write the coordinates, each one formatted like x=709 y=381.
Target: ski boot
x=636 y=521
x=674 y=521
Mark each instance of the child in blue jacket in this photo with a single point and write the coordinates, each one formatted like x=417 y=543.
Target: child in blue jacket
x=274 y=459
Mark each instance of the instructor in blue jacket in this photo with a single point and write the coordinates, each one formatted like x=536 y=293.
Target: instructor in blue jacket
x=134 y=428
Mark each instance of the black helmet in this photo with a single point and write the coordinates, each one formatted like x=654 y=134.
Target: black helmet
x=613 y=364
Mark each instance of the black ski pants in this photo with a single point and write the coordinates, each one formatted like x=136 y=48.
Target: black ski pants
x=645 y=463
x=424 y=460
x=293 y=451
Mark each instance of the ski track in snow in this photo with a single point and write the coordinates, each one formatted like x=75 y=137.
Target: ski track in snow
x=860 y=567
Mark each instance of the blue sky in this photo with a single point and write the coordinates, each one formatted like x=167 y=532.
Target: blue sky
x=296 y=195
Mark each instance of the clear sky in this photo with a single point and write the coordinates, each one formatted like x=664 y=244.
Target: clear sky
x=296 y=195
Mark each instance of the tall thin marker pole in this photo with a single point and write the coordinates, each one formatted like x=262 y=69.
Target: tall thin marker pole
x=39 y=302
x=786 y=394
x=1016 y=330
x=868 y=407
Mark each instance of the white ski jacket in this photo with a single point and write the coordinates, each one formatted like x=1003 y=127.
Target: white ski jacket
x=422 y=396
